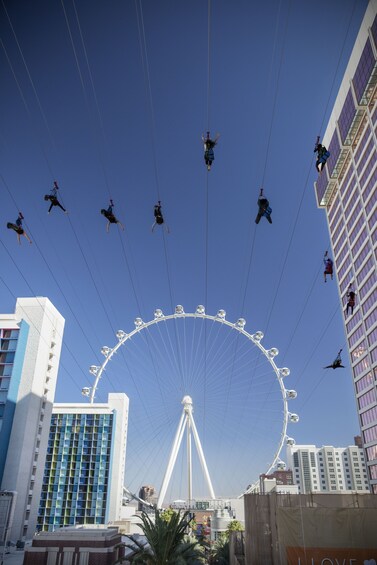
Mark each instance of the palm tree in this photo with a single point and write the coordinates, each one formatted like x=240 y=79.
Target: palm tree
x=167 y=541
x=220 y=553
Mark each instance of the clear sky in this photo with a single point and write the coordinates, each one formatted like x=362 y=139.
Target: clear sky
x=110 y=100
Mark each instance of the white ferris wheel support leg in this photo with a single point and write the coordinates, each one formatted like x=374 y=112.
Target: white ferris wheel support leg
x=201 y=456
x=189 y=461
x=172 y=459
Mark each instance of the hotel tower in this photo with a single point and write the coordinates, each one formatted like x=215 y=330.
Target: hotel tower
x=347 y=190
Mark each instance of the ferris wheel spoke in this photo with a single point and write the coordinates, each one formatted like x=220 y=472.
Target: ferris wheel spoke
x=241 y=402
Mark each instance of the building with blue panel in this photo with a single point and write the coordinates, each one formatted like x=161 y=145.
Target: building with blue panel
x=84 y=471
x=30 y=344
x=347 y=190
x=12 y=353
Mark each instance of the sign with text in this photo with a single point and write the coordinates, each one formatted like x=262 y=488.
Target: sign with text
x=331 y=556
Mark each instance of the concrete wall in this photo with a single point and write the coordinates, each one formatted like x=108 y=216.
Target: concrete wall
x=308 y=529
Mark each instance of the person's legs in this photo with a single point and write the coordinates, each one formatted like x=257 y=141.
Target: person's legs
x=60 y=206
x=27 y=237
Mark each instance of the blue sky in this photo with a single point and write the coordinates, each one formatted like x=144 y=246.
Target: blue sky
x=91 y=105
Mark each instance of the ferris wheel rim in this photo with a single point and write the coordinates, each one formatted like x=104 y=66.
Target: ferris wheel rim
x=220 y=317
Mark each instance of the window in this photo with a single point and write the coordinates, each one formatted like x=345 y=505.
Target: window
x=363 y=72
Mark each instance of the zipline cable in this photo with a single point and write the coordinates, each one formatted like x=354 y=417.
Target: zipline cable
x=307 y=180
x=50 y=168
x=309 y=171
x=148 y=86
x=250 y=260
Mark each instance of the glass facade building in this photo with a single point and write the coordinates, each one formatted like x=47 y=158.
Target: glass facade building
x=76 y=473
x=347 y=190
x=84 y=464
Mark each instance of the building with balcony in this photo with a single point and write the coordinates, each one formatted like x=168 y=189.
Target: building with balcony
x=85 y=462
x=347 y=190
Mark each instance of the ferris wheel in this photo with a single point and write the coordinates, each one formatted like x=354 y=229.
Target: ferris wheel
x=231 y=381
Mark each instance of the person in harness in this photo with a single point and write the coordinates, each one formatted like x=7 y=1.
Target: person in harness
x=337 y=363
x=328 y=266
x=209 y=154
x=53 y=198
x=351 y=295
x=158 y=217
x=17 y=227
x=109 y=215
x=263 y=208
x=322 y=155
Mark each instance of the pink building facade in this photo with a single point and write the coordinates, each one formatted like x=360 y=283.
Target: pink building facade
x=347 y=190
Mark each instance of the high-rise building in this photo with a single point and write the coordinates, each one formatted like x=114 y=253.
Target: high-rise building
x=347 y=190
x=84 y=472
x=146 y=493
x=30 y=344
x=328 y=469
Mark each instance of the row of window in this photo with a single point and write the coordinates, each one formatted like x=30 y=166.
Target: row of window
x=69 y=417
x=362 y=144
x=9 y=334
x=370 y=434
x=8 y=345
x=364 y=382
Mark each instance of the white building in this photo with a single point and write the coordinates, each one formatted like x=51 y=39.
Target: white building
x=85 y=463
x=347 y=190
x=30 y=344
x=328 y=469
x=272 y=485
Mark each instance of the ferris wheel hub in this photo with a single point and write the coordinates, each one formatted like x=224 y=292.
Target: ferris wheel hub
x=187 y=402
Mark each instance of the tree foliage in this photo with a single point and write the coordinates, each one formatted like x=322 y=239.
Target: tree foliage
x=235 y=526
x=167 y=541
x=220 y=551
